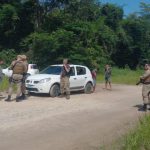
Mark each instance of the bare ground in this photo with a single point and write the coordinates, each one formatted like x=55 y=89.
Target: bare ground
x=85 y=122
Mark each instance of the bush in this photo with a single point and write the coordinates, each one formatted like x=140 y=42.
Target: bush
x=7 y=56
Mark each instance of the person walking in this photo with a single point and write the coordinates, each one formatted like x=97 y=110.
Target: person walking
x=64 y=80
x=145 y=78
x=108 y=77
x=1 y=74
x=94 y=75
x=19 y=68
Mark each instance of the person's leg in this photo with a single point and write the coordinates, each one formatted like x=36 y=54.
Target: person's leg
x=94 y=86
x=23 y=91
x=110 y=84
x=106 y=82
x=10 y=90
x=67 y=88
x=145 y=97
x=62 y=87
x=18 y=94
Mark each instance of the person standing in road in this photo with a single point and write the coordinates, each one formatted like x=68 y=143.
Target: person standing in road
x=108 y=77
x=64 y=80
x=145 y=78
x=1 y=73
x=19 y=68
x=23 y=87
x=94 y=74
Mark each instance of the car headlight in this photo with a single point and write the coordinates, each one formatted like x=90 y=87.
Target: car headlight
x=45 y=80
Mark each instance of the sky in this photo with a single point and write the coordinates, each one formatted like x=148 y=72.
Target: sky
x=129 y=6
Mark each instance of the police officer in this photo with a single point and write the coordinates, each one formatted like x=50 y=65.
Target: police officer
x=146 y=87
x=19 y=68
x=64 y=80
x=23 y=87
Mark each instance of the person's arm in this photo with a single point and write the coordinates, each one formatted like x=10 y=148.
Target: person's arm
x=145 y=75
x=67 y=68
x=12 y=65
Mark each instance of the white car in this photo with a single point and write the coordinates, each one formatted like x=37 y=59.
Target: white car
x=48 y=81
x=32 y=69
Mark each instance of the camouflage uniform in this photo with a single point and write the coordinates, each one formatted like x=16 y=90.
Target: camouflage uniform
x=19 y=68
x=64 y=82
x=23 y=81
x=146 y=87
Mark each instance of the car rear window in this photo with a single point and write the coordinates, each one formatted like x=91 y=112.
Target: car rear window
x=81 y=71
x=33 y=66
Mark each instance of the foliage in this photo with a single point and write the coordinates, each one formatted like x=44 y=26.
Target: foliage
x=138 y=139
x=7 y=56
x=86 y=31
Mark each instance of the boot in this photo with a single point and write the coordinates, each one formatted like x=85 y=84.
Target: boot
x=23 y=97
x=61 y=96
x=18 y=99
x=68 y=96
x=144 y=108
x=8 y=98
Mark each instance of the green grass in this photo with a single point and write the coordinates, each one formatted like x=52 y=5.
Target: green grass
x=139 y=138
x=4 y=85
x=122 y=76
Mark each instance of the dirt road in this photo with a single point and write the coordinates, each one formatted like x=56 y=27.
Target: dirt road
x=85 y=122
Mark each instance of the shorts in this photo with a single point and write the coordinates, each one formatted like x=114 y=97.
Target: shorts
x=94 y=82
x=107 y=79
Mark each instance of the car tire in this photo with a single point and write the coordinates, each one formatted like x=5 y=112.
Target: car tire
x=88 y=88
x=55 y=90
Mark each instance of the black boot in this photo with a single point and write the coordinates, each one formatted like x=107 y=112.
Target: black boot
x=8 y=98
x=23 y=97
x=18 y=99
x=144 y=107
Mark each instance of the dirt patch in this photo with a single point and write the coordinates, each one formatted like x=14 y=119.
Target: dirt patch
x=85 y=122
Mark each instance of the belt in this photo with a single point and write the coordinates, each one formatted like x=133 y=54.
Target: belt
x=146 y=83
x=17 y=74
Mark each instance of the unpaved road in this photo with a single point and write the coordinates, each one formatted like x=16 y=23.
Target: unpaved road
x=85 y=122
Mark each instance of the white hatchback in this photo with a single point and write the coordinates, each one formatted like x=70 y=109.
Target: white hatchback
x=48 y=81
x=32 y=69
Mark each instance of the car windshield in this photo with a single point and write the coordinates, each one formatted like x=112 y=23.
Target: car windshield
x=54 y=70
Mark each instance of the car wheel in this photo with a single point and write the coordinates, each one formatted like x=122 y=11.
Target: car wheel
x=88 y=88
x=55 y=90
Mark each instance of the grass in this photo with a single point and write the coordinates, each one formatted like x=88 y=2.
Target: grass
x=139 y=138
x=4 y=85
x=123 y=76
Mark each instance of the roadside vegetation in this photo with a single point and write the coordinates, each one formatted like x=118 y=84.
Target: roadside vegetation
x=122 y=76
x=138 y=138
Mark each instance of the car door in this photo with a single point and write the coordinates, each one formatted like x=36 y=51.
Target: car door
x=73 y=78
x=81 y=77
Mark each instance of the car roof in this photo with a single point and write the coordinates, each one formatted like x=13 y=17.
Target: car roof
x=71 y=65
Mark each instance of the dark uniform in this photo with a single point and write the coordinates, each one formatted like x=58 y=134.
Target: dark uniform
x=19 y=68
x=64 y=82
